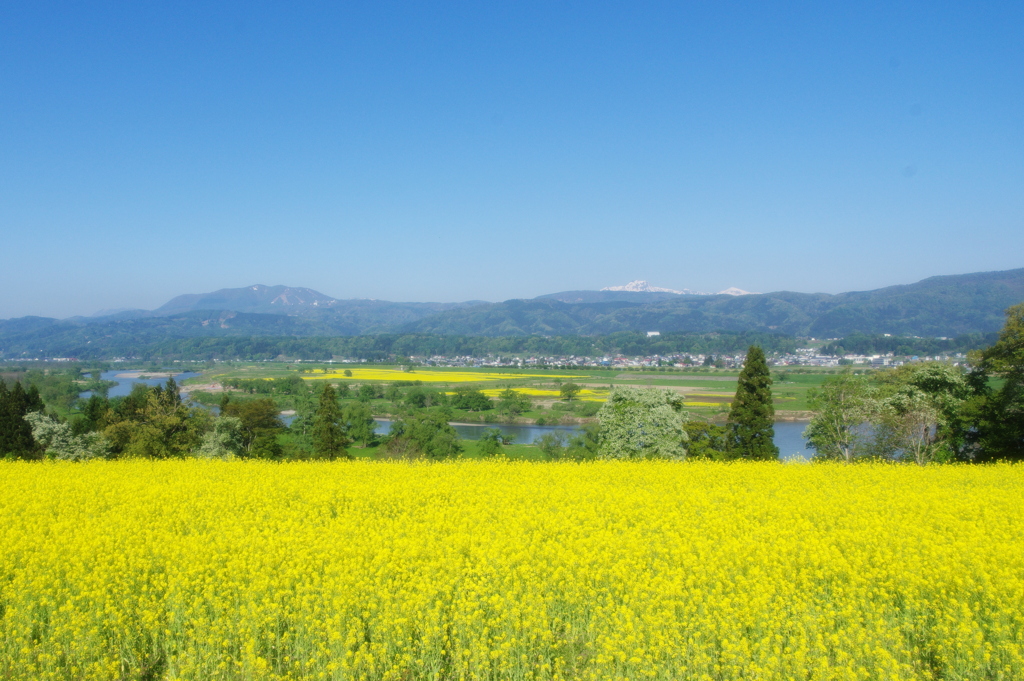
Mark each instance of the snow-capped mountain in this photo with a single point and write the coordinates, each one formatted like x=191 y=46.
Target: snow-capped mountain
x=641 y=286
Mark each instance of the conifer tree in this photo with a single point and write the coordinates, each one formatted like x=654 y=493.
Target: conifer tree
x=329 y=439
x=15 y=432
x=752 y=417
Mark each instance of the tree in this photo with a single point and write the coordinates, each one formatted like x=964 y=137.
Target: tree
x=752 y=416
x=905 y=427
x=16 y=440
x=154 y=423
x=59 y=441
x=328 y=431
x=997 y=415
x=643 y=423
x=490 y=442
x=512 y=402
x=358 y=419
x=223 y=441
x=706 y=441
x=919 y=412
x=260 y=425
x=553 y=444
x=580 y=445
x=93 y=415
x=471 y=399
x=843 y=405
x=423 y=435
x=569 y=391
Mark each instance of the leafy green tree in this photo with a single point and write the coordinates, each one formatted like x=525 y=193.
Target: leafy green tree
x=423 y=434
x=416 y=398
x=471 y=399
x=752 y=416
x=358 y=418
x=260 y=424
x=706 y=441
x=367 y=392
x=919 y=412
x=843 y=406
x=154 y=423
x=328 y=431
x=997 y=415
x=490 y=442
x=569 y=391
x=553 y=444
x=582 y=445
x=643 y=423
x=16 y=440
x=513 y=403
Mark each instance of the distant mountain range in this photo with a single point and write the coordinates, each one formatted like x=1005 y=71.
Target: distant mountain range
x=938 y=306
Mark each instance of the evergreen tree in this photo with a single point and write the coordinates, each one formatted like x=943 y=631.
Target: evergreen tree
x=15 y=432
x=329 y=439
x=172 y=397
x=752 y=417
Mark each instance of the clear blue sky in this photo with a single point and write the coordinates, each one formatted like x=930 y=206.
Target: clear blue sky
x=439 y=151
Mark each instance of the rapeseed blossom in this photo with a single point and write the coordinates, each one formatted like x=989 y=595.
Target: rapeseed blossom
x=197 y=569
x=422 y=375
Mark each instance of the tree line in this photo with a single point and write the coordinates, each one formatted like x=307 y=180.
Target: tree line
x=928 y=412
x=879 y=344
x=380 y=347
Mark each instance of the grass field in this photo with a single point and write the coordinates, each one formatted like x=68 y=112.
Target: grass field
x=497 y=570
x=707 y=393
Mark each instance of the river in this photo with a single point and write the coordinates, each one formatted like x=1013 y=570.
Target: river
x=125 y=379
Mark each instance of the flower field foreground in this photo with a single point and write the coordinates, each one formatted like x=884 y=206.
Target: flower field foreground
x=232 y=570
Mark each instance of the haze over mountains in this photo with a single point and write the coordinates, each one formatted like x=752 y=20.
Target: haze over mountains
x=937 y=306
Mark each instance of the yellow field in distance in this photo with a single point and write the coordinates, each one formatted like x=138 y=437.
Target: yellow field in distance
x=424 y=375
x=586 y=394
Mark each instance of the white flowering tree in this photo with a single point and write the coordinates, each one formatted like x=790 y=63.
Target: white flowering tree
x=223 y=441
x=643 y=423
x=59 y=442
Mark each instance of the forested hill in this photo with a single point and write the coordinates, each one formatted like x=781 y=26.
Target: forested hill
x=940 y=306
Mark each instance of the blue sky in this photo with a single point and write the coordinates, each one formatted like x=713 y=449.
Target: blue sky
x=416 y=151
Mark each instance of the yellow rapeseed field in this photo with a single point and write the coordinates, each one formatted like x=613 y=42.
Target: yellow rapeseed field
x=585 y=394
x=424 y=375
x=496 y=570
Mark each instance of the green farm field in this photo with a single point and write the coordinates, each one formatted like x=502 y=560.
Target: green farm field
x=708 y=393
